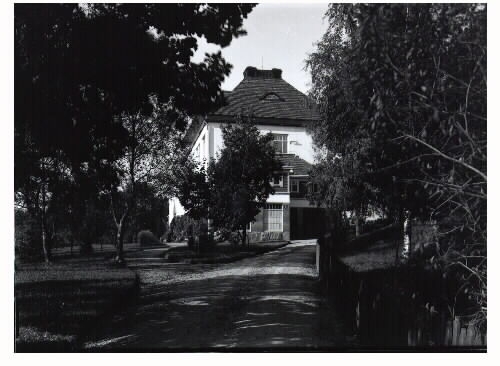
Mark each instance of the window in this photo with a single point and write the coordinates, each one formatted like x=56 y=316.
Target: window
x=277 y=181
x=302 y=186
x=313 y=187
x=271 y=96
x=249 y=227
x=280 y=143
x=273 y=217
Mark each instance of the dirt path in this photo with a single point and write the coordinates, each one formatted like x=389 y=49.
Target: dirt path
x=269 y=301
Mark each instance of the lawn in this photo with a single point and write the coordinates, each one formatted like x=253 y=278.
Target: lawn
x=58 y=304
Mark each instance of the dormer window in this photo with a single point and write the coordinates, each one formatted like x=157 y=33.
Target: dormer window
x=272 y=97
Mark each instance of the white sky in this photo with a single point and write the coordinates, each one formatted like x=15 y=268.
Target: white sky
x=278 y=35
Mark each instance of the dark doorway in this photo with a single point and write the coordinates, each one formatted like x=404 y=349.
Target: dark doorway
x=306 y=223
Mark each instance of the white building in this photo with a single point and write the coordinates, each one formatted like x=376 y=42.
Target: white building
x=274 y=106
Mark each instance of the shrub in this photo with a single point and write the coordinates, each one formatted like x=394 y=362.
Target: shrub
x=222 y=235
x=178 y=230
x=196 y=232
x=182 y=227
x=147 y=238
x=234 y=239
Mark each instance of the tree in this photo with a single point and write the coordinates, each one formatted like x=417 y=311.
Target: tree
x=236 y=184
x=239 y=181
x=79 y=66
x=403 y=95
x=150 y=156
x=192 y=188
x=45 y=181
x=340 y=186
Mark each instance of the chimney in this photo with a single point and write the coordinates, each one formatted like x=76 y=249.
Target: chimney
x=253 y=72
x=276 y=73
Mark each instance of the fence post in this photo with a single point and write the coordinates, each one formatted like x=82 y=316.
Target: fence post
x=16 y=307
x=456 y=331
x=318 y=256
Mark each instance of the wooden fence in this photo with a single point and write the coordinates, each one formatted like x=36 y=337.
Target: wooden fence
x=394 y=307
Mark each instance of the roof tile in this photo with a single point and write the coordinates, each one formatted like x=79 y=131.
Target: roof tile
x=249 y=99
x=299 y=166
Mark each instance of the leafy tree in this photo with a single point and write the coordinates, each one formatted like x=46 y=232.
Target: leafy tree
x=151 y=154
x=236 y=185
x=40 y=196
x=151 y=211
x=239 y=181
x=192 y=187
x=78 y=67
x=403 y=95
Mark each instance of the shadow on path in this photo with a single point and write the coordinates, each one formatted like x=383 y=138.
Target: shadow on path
x=266 y=302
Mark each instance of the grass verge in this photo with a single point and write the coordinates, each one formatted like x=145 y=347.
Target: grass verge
x=58 y=304
x=222 y=253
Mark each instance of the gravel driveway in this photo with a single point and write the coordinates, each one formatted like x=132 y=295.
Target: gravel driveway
x=261 y=303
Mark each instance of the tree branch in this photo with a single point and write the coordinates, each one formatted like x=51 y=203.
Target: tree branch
x=440 y=153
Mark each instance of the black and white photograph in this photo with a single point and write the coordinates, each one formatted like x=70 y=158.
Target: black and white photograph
x=243 y=177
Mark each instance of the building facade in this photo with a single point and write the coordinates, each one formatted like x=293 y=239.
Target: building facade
x=277 y=107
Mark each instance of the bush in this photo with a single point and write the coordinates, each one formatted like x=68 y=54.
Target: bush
x=197 y=234
x=27 y=237
x=147 y=238
x=234 y=239
x=183 y=227
x=222 y=235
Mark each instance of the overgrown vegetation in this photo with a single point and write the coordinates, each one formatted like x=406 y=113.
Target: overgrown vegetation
x=402 y=90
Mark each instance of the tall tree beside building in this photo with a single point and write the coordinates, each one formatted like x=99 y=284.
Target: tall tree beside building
x=236 y=185
x=403 y=95
x=240 y=178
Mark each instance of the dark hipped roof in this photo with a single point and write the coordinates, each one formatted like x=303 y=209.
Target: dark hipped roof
x=264 y=94
x=292 y=161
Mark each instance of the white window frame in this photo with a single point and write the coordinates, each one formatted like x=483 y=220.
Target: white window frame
x=282 y=139
x=280 y=184
x=266 y=222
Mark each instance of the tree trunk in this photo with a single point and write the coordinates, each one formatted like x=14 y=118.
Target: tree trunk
x=407 y=232
x=357 y=223
x=86 y=243
x=45 y=244
x=244 y=236
x=120 y=231
x=400 y=239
